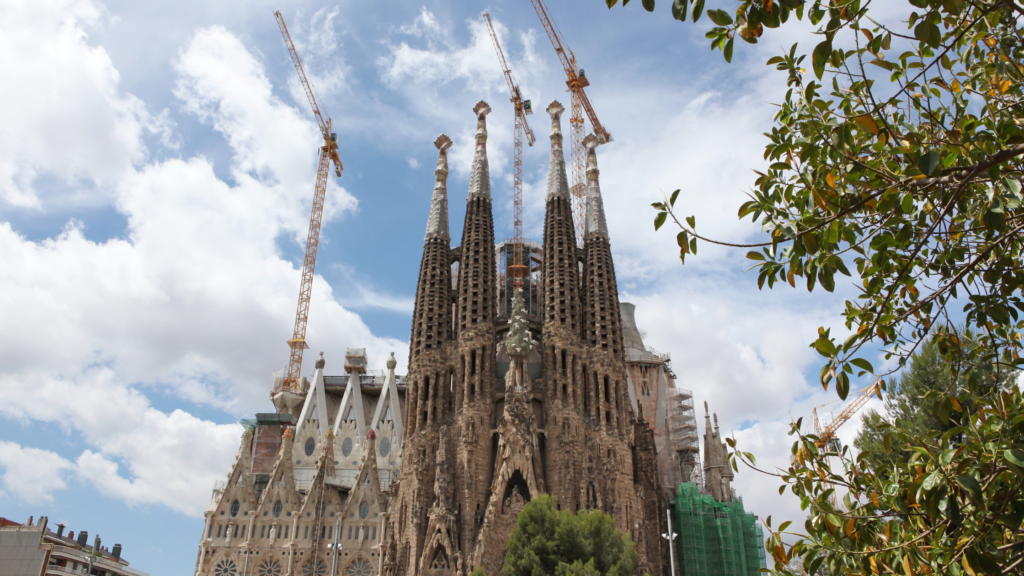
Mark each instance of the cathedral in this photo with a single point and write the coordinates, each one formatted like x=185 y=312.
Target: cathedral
x=511 y=392
x=556 y=416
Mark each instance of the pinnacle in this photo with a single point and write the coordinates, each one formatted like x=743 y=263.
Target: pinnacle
x=437 y=222
x=595 y=220
x=479 y=177
x=558 y=182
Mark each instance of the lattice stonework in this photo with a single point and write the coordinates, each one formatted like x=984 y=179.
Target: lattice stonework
x=270 y=567
x=225 y=568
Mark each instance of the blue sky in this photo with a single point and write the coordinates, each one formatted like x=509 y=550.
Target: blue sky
x=156 y=169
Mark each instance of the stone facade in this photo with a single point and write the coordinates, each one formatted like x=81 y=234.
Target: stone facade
x=308 y=491
x=506 y=399
x=667 y=409
x=492 y=422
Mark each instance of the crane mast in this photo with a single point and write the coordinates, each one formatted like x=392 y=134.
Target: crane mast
x=328 y=154
x=521 y=108
x=576 y=80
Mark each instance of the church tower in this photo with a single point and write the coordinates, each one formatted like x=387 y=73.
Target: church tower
x=503 y=409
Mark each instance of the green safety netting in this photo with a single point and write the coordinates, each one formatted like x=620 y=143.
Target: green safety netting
x=716 y=538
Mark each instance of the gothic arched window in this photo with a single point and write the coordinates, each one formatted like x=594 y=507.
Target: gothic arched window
x=277 y=509
x=234 y=508
x=346 y=447
x=310 y=445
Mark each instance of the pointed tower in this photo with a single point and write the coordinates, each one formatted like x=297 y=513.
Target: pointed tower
x=476 y=384
x=563 y=362
x=602 y=328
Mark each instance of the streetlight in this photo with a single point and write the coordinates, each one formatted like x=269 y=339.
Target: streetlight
x=671 y=537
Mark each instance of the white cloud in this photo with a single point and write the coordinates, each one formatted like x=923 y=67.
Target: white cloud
x=413 y=163
x=65 y=117
x=196 y=301
x=31 y=475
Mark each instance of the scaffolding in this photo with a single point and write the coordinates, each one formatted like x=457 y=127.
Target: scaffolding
x=682 y=434
x=715 y=538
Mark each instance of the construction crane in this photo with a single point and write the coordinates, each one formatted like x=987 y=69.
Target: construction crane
x=827 y=436
x=522 y=108
x=328 y=154
x=576 y=79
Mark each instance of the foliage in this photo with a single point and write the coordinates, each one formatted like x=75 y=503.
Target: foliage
x=905 y=169
x=928 y=370
x=550 y=541
x=951 y=504
x=895 y=160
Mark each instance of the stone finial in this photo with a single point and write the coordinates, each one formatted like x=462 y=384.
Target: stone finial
x=595 y=223
x=555 y=109
x=437 y=222
x=716 y=423
x=443 y=143
x=705 y=408
x=479 y=176
x=591 y=143
x=558 y=181
x=320 y=362
x=392 y=362
x=482 y=109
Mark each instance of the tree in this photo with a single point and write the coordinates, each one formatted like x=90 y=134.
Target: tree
x=906 y=170
x=550 y=541
x=927 y=371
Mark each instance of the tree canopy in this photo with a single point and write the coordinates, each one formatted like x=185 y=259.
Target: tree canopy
x=895 y=159
x=549 y=541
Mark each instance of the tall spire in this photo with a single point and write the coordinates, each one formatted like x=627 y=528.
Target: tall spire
x=479 y=178
x=558 y=182
x=595 y=223
x=437 y=222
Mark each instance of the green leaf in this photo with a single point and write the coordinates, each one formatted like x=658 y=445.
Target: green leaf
x=727 y=51
x=648 y=5
x=755 y=255
x=672 y=199
x=862 y=364
x=692 y=221
x=683 y=240
x=611 y=2
x=882 y=64
x=928 y=162
x=696 y=9
x=810 y=243
x=825 y=347
x=720 y=17
x=660 y=219
x=1015 y=457
x=822 y=52
x=971 y=486
x=886 y=41
x=775 y=60
x=679 y=10
x=842 y=385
